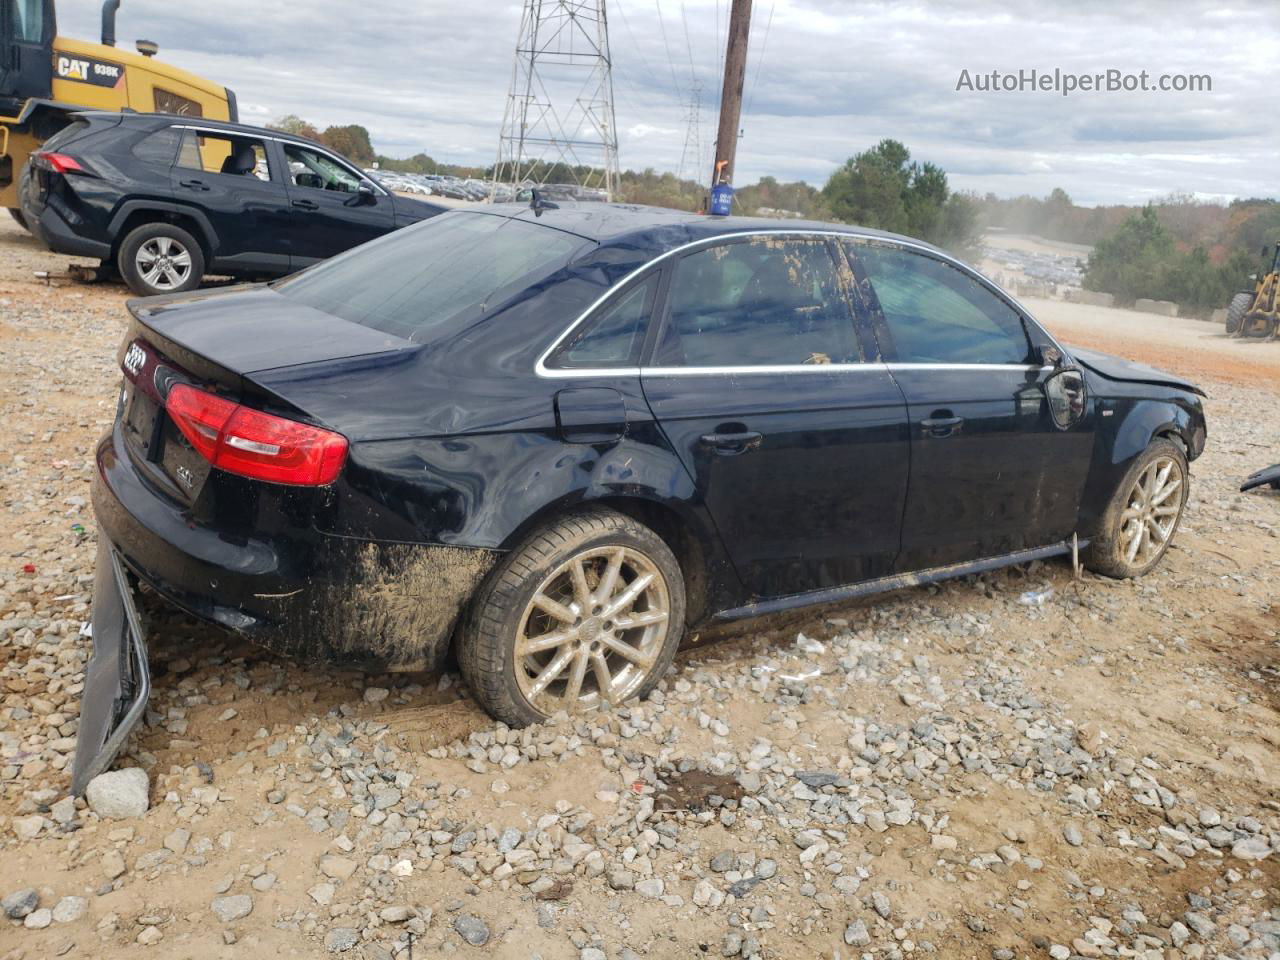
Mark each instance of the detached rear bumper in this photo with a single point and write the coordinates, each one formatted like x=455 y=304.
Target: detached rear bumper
x=118 y=680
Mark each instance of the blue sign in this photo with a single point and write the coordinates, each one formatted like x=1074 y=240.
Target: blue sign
x=721 y=200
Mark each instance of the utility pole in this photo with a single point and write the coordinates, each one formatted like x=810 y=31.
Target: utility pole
x=735 y=70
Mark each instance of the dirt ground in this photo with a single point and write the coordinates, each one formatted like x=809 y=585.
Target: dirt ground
x=1020 y=764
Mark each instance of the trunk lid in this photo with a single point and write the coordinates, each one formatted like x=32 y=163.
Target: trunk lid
x=216 y=342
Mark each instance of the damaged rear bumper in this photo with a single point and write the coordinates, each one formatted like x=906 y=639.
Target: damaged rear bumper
x=117 y=681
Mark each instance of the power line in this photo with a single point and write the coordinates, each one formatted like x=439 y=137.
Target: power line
x=662 y=26
x=764 y=42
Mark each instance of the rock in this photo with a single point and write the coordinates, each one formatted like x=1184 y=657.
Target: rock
x=724 y=861
x=1202 y=925
x=1071 y=833
x=64 y=811
x=1059 y=952
x=592 y=953
x=650 y=887
x=28 y=828
x=341 y=939
x=471 y=929
x=263 y=882
x=113 y=864
x=376 y=694
x=943 y=842
x=394 y=914
x=766 y=869
x=1251 y=848
x=20 y=903
x=119 y=794
x=337 y=868
x=70 y=909
x=856 y=935
x=231 y=908
x=38 y=919
x=620 y=879
x=880 y=902
x=322 y=893
x=177 y=841
x=150 y=936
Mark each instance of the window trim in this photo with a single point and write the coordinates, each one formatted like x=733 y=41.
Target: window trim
x=542 y=370
x=618 y=293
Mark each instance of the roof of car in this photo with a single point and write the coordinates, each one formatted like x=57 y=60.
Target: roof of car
x=607 y=222
x=159 y=119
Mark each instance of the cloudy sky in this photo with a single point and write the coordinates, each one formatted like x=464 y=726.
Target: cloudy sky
x=826 y=78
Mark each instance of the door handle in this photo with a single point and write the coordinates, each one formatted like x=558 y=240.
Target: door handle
x=193 y=184
x=732 y=444
x=306 y=205
x=942 y=426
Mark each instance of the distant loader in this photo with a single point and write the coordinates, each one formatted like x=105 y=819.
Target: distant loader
x=1256 y=313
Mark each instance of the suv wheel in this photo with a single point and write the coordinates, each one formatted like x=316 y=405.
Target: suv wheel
x=1143 y=515
x=18 y=218
x=160 y=258
x=586 y=610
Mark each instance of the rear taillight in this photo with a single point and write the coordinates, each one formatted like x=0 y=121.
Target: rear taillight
x=59 y=162
x=254 y=444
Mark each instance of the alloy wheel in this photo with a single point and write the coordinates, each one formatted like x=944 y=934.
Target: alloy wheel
x=163 y=263
x=593 y=630
x=1152 y=511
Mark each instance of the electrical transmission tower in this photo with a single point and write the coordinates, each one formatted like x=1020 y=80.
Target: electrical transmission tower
x=559 y=121
x=692 y=160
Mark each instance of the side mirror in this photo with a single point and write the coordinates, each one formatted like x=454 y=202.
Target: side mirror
x=1051 y=356
x=1067 y=396
x=363 y=196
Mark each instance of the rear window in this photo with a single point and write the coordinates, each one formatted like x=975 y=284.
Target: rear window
x=419 y=281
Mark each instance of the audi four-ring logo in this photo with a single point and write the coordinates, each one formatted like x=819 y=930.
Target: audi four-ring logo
x=134 y=358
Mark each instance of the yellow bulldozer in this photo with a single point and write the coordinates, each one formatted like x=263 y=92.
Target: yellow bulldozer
x=44 y=78
x=1256 y=312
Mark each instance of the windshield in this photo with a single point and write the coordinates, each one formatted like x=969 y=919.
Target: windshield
x=432 y=277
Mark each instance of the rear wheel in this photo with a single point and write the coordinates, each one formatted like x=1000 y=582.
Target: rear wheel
x=587 y=610
x=1143 y=514
x=1236 y=310
x=19 y=218
x=160 y=258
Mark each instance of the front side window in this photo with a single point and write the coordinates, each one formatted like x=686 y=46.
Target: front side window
x=28 y=21
x=614 y=336
x=309 y=168
x=937 y=313
x=224 y=153
x=431 y=278
x=763 y=301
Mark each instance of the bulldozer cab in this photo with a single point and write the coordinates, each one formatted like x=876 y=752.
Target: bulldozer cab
x=27 y=29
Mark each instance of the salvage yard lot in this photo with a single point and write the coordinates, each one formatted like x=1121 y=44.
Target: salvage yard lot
x=1006 y=765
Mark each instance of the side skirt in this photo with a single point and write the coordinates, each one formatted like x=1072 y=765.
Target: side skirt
x=896 y=582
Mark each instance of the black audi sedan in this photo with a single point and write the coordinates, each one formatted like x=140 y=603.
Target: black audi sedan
x=552 y=441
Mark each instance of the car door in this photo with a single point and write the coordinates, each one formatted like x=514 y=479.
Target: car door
x=331 y=211
x=231 y=179
x=797 y=445
x=991 y=473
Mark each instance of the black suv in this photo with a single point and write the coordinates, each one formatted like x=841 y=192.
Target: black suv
x=167 y=199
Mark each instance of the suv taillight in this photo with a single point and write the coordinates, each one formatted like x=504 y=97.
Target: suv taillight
x=254 y=444
x=59 y=163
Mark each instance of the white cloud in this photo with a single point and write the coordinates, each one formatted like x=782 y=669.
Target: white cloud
x=830 y=78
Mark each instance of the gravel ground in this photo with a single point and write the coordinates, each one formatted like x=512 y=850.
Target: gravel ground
x=1011 y=765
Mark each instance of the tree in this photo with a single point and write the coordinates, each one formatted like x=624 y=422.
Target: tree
x=352 y=141
x=295 y=125
x=882 y=188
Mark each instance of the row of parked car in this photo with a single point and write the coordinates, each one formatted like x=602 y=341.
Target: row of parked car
x=443 y=185
x=167 y=199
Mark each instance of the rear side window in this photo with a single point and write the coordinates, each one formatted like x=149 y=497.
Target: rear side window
x=614 y=336
x=937 y=313
x=434 y=276
x=761 y=302
x=224 y=153
x=72 y=131
x=159 y=147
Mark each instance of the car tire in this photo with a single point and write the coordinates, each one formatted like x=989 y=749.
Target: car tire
x=535 y=595
x=19 y=218
x=1131 y=513
x=183 y=270
x=1236 y=310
